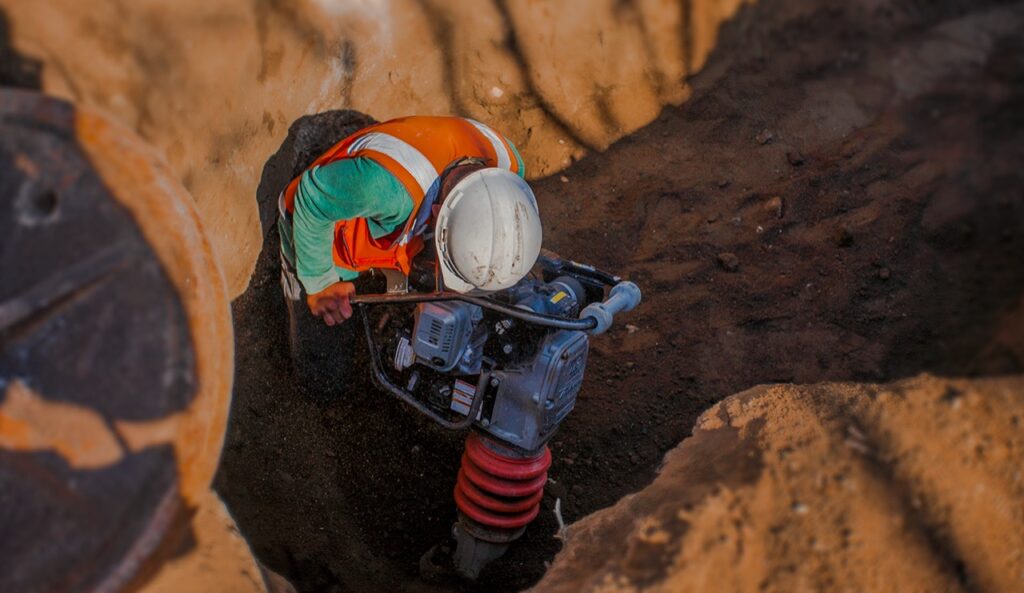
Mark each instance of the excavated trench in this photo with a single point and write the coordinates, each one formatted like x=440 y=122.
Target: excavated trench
x=840 y=199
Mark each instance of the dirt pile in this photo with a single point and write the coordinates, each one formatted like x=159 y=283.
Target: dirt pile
x=216 y=558
x=911 y=486
x=818 y=210
x=215 y=85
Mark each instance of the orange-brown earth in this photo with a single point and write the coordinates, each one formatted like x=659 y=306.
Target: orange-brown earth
x=215 y=85
x=911 y=486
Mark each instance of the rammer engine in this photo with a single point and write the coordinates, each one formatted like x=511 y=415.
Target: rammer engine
x=509 y=366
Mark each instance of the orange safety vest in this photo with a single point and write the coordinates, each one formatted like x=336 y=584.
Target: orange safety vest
x=416 y=150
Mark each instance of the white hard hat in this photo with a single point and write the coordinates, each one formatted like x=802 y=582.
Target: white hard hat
x=488 y=232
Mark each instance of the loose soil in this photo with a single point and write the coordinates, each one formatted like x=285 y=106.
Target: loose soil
x=840 y=199
x=908 y=486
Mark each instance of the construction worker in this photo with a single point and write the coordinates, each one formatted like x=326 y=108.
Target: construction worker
x=372 y=200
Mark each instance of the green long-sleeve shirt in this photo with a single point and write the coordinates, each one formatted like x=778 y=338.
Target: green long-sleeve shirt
x=342 y=190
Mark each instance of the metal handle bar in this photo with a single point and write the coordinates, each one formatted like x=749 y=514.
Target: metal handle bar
x=595 y=318
x=515 y=312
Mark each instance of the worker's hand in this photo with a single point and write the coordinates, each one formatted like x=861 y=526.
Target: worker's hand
x=332 y=303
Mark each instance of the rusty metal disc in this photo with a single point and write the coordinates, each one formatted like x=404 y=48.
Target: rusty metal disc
x=115 y=352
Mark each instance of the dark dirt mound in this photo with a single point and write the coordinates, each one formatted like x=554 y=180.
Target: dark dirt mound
x=841 y=199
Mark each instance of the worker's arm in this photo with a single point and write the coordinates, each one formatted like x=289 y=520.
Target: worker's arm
x=341 y=190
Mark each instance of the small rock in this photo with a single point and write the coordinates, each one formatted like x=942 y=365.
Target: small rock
x=884 y=273
x=843 y=236
x=729 y=261
x=632 y=329
x=764 y=137
x=952 y=397
x=724 y=183
x=630 y=364
x=713 y=217
x=775 y=206
x=794 y=158
x=800 y=508
x=563 y=179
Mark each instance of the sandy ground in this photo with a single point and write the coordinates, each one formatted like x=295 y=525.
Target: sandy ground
x=911 y=486
x=215 y=85
x=215 y=558
x=840 y=199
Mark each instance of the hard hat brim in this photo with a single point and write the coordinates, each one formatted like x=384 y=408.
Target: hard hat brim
x=450 y=278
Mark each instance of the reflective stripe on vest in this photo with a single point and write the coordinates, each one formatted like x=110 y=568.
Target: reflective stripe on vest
x=503 y=154
x=405 y=155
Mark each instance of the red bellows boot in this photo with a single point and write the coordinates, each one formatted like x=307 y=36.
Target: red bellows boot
x=498 y=494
